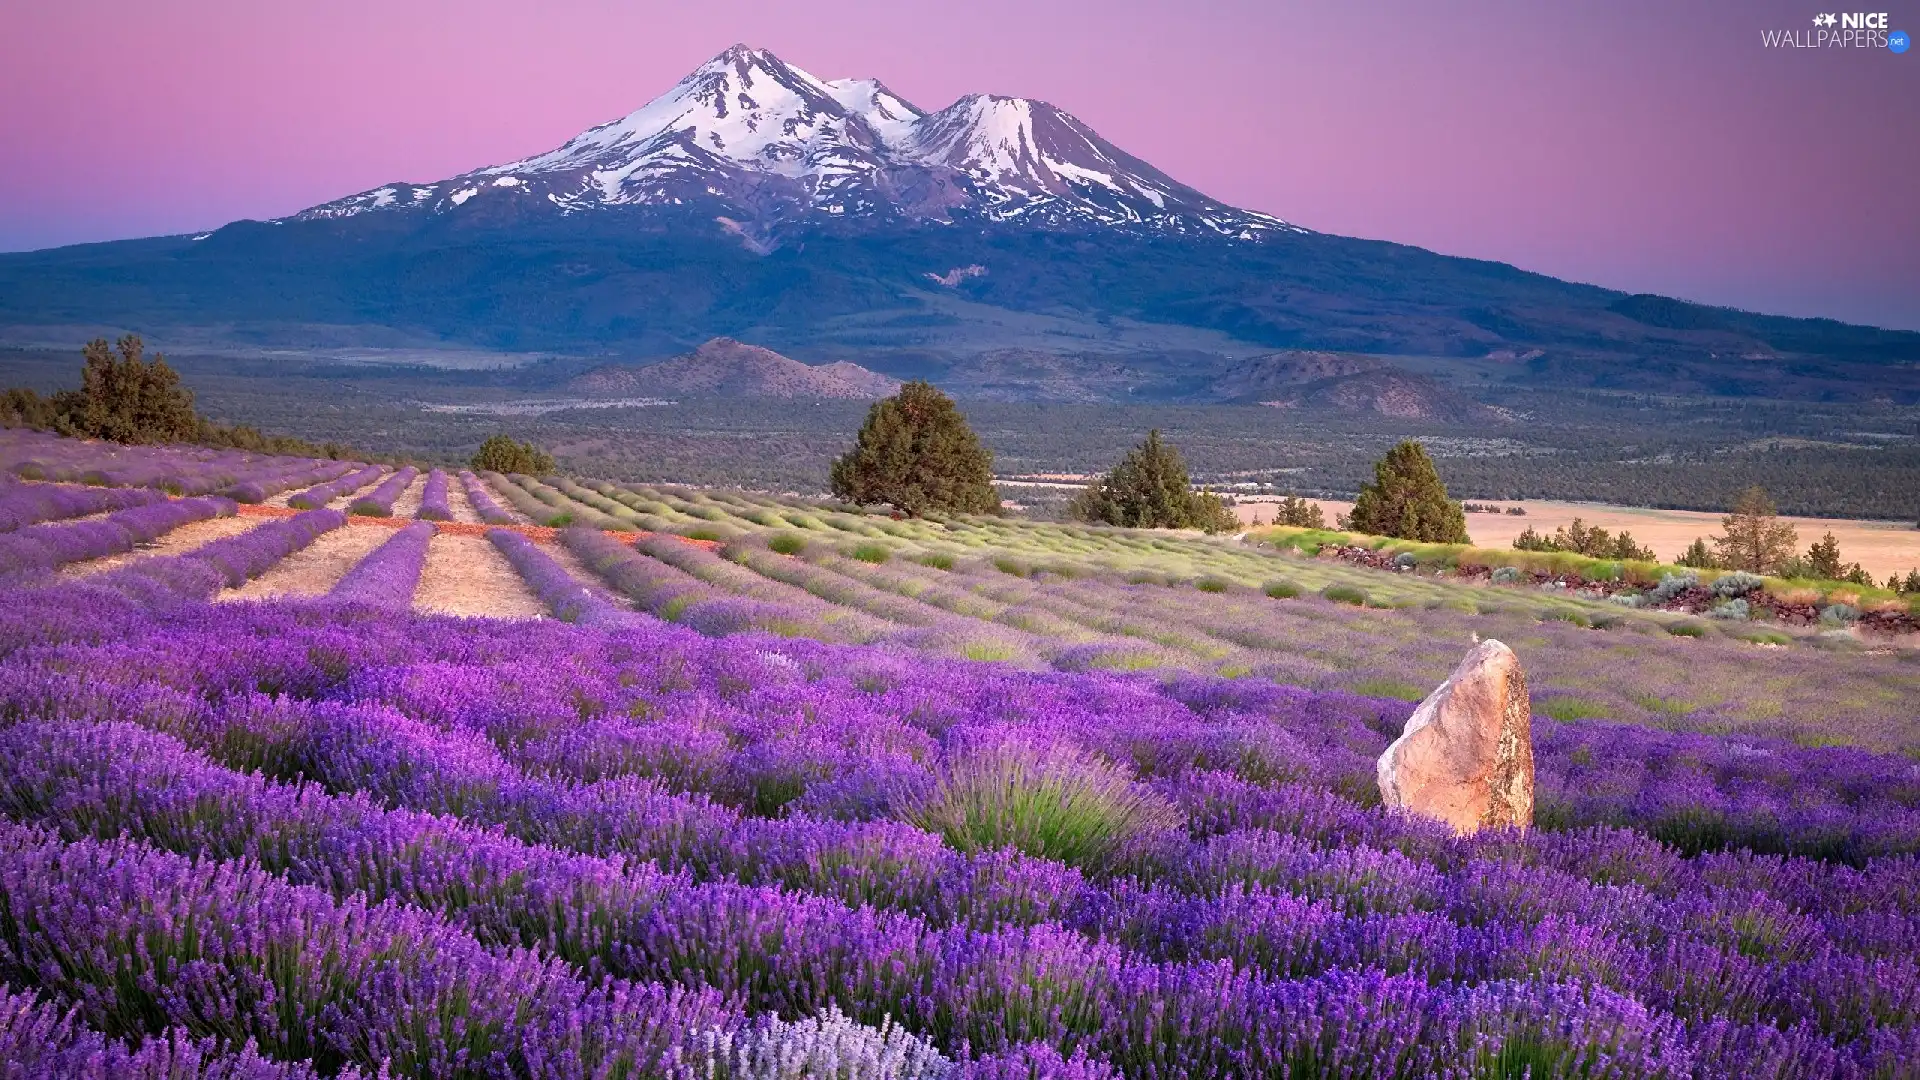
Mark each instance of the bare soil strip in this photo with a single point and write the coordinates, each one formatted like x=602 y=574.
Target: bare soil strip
x=314 y=570
x=408 y=504
x=186 y=538
x=467 y=575
x=458 y=503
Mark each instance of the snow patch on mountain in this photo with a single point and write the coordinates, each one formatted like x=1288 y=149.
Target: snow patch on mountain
x=759 y=143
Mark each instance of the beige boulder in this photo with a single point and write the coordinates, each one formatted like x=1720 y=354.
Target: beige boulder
x=1466 y=756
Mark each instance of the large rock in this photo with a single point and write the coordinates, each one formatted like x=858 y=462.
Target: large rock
x=1466 y=756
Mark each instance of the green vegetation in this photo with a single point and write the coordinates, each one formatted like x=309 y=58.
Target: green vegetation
x=1579 y=538
x=871 y=553
x=130 y=399
x=1299 y=513
x=502 y=454
x=1755 y=539
x=1150 y=489
x=1345 y=594
x=916 y=453
x=1408 y=501
x=1050 y=803
x=1281 y=590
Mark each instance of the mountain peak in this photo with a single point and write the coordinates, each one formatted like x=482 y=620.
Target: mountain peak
x=757 y=145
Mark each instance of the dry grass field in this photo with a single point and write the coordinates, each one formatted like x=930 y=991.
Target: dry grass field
x=1882 y=547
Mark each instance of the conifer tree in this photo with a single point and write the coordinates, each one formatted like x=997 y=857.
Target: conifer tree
x=503 y=454
x=127 y=399
x=1823 y=559
x=1408 y=501
x=1150 y=489
x=916 y=453
x=1697 y=556
x=1299 y=513
x=1755 y=539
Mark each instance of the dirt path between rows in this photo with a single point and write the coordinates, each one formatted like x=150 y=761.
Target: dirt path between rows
x=314 y=570
x=458 y=503
x=467 y=575
x=186 y=538
x=408 y=504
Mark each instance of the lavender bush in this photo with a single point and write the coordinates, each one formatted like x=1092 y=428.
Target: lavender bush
x=318 y=496
x=379 y=501
x=433 y=498
x=388 y=575
x=29 y=504
x=483 y=504
x=40 y=548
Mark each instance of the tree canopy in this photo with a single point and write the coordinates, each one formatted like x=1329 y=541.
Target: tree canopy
x=1592 y=541
x=1407 y=500
x=1754 y=538
x=503 y=454
x=1150 y=489
x=916 y=453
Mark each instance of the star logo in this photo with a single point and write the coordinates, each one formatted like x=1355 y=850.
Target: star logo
x=1825 y=20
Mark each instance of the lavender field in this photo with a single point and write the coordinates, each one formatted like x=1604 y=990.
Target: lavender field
x=782 y=790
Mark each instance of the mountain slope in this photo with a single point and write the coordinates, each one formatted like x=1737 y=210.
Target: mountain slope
x=755 y=141
x=724 y=367
x=998 y=239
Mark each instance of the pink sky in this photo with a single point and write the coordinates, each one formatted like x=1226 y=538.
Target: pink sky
x=1640 y=145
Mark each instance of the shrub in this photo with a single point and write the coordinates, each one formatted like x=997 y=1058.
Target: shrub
x=1735 y=609
x=872 y=553
x=1672 y=585
x=1839 y=614
x=1764 y=637
x=1507 y=575
x=1281 y=590
x=1628 y=599
x=1052 y=802
x=1345 y=594
x=502 y=454
x=1687 y=629
x=1739 y=583
x=787 y=543
x=1405 y=561
x=1211 y=585
x=937 y=561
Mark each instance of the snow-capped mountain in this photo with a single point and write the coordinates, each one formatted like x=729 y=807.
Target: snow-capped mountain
x=757 y=143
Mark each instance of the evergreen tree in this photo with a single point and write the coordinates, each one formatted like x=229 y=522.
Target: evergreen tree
x=1299 y=513
x=126 y=399
x=916 y=453
x=1823 y=560
x=1408 y=501
x=1698 y=556
x=1150 y=489
x=502 y=454
x=1755 y=540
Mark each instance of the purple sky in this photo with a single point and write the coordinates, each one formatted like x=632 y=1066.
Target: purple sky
x=1649 y=146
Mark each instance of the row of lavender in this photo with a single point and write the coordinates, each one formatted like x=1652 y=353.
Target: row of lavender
x=38 y=549
x=801 y=828
x=238 y=475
